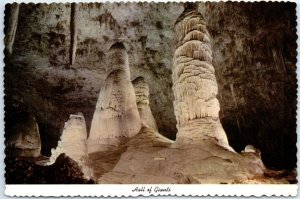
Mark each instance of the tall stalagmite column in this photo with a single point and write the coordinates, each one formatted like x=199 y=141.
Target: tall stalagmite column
x=116 y=115
x=194 y=82
x=12 y=24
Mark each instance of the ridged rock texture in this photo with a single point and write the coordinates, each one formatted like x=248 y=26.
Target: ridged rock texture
x=73 y=142
x=254 y=58
x=141 y=89
x=194 y=82
x=24 y=137
x=116 y=116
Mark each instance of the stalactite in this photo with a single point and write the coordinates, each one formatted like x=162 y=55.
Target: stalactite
x=194 y=82
x=12 y=24
x=74 y=31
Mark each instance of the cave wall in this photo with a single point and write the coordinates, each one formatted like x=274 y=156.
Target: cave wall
x=254 y=55
x=255 y=62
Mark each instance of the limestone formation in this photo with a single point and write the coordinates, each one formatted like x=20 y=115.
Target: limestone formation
x=194 y=82
x=73 y=139
x=24 y=139
x=73 y=142
x=116 y=116
x=141 y=89
x=11 y=26
x=251 y=149
x=74 y=31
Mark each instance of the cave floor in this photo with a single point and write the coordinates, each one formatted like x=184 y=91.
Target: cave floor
x=148 y=158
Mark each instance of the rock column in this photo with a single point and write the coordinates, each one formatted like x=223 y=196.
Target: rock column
x=142 y=100
x=11 y=26
x=116 y=115
x=73 y=142
x=194 y=82
x=73 y=139
x=24 y=137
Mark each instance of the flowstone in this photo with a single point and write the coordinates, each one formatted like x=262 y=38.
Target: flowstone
x=116 y=116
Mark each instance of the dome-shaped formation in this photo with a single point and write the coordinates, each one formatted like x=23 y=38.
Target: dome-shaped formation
x=24 y=137
x=116 y=115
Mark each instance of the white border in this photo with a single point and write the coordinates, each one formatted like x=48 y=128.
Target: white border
x=149 y=190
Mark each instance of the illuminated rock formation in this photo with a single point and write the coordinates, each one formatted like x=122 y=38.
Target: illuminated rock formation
x=24 y=139
x=73 y=139
x=194 y=82
x=141 y=89
x=73 y=142
x=116 y=116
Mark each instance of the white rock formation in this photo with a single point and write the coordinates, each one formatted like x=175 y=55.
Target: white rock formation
x=73 y=140
x=25 y=140
x=194 y=82
x=116 y=116
x=141 y=89
x=251 y=149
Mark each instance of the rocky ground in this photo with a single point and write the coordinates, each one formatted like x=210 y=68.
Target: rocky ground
x=149 y=158
x=26 y=171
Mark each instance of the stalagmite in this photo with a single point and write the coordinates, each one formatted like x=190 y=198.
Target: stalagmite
x=194 y=82
x=73 y=142
x=73 y=139
x=141 y=89
x=116 y=115
x=11 y=26
x=24 y=139
x=148 y=122
x=74 y=31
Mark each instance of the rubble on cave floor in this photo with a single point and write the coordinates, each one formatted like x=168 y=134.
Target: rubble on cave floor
x=26 y=171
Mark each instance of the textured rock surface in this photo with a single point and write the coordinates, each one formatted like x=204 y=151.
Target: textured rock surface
x=198 y=154
x=73 y=143
x=254 y=55
x=13 y=15
x=25 y=171
x=23 y=138
x=141 y=89
x=116 y=115
x=194 y=82
x=73 y=139
x=150 y=159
